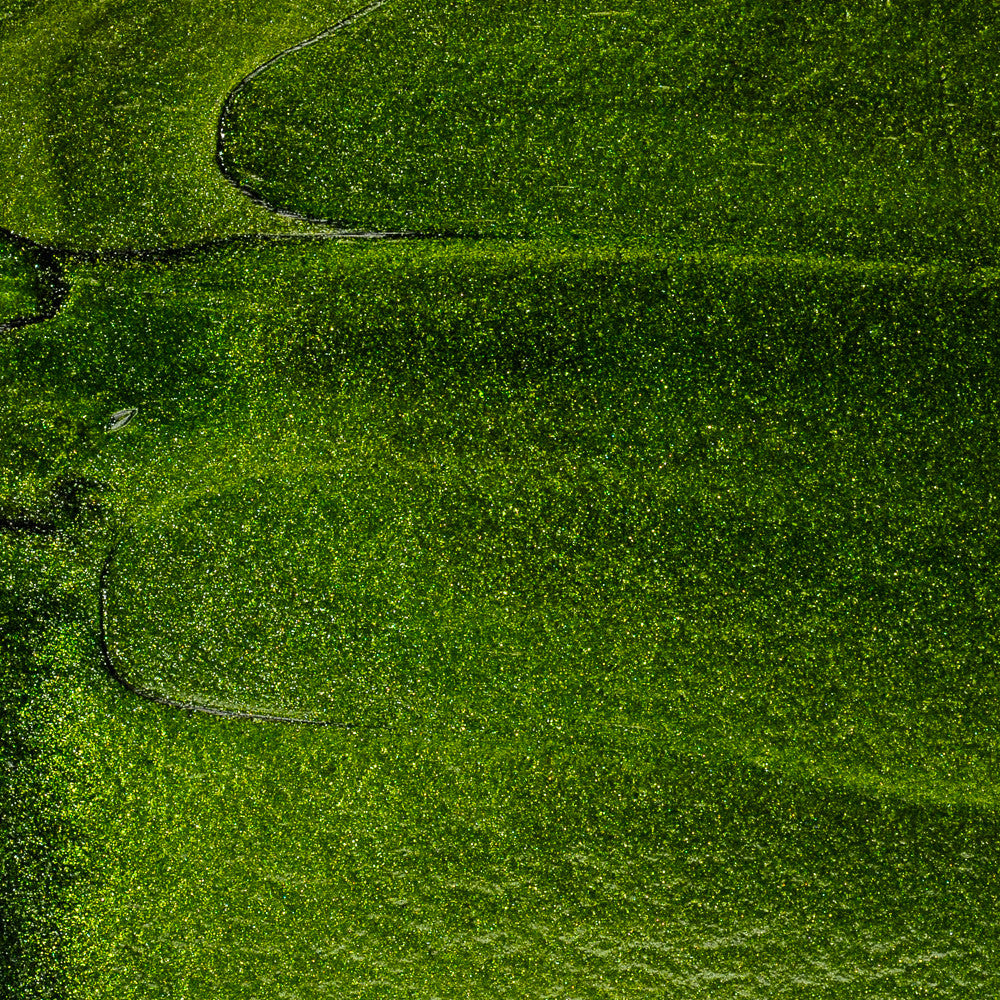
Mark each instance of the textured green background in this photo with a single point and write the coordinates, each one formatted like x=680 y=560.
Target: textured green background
x=648 y=569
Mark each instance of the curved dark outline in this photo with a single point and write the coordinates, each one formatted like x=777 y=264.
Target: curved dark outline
x=52 y=289
x=220 y=130
x=49 y=287
x=149 y=695
x=344 y=227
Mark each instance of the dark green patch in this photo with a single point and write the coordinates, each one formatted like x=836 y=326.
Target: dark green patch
x=656 y=582
x=418 y=482
x=862 y=129
x=532 y=520
x=19 y=282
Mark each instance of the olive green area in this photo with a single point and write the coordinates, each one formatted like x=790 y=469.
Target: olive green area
x=17 y=284
x=546 y=489
x=108 y=133
x=860 y=128
x=645 y=571
x=653 y=592
x=246 y=859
